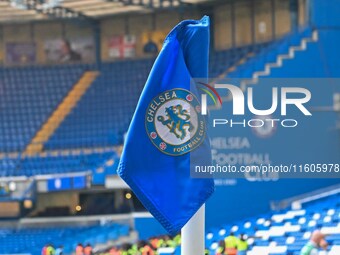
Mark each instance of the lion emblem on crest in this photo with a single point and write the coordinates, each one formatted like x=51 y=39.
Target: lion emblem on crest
x=177 y=120
x=173 y=122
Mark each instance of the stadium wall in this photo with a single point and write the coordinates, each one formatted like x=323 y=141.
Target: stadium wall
x=329 y=51
x=266 y=25
x=147 y=226
x=325 y=18
x=325 y=14
x=59 y=199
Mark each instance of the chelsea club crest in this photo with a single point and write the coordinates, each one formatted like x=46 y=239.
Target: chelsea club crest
x=174 y=123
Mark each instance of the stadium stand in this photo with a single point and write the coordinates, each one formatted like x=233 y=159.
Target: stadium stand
x=99 y=118
x=281 y=233
x=287 y=57
x=103 y=114
x=224 y=61
x=28 y=97
x=283 y=46
x=286 y=232
x=61 y=120
x=32 y=239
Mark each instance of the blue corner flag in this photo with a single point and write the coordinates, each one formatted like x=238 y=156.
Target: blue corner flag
x=167 y=132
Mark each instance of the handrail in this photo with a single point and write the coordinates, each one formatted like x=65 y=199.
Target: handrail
x=297 y=201
x=127 y=219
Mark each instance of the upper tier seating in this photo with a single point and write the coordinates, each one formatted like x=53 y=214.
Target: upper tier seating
x=103 y=114
x=27 y=97
x=269 y=55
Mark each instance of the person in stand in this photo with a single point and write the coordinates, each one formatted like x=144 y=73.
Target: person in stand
x=154 y=242
x=59 y=250
x=231 y=242
x=242 y=245
x=221 y=248
x=133 y=249
x=150 y=47
x=127 y=249
x=80 y=249
x=44 y=250
x=114 y=251
x=88 y=250
x=144 y=248
x=68 y=54
x=316 y=242
x=50 y=250
x=177 y=239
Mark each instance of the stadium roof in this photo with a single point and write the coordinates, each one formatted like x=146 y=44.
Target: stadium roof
x=30 y=10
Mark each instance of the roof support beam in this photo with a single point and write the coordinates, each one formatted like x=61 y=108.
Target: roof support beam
x=150 y=4
x=53 y=12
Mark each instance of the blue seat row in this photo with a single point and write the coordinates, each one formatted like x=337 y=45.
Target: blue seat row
x=56 y=164
x=287 y=228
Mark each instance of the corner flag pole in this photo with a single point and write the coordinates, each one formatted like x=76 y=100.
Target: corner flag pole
x=193 y=237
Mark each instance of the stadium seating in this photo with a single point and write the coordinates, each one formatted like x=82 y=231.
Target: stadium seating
x=56 y=163
x=279 y=233
x=222 y=61
x=286 y=232
x=27 y=97
x=100 y=119
x=31 y=240
x=30 y=95
x=102 y=116
x=269 y=55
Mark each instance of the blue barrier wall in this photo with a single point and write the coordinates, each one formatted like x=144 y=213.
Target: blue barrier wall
x=148 y=226
x=325 y=13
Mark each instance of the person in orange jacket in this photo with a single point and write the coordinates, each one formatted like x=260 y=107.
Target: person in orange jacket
x=114 y=251
x=154 y=241
x=88 y=249
x=145 y=248
x=44 y=250
x=231 y=242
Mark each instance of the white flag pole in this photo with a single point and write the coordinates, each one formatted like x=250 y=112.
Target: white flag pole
x=193 y=234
